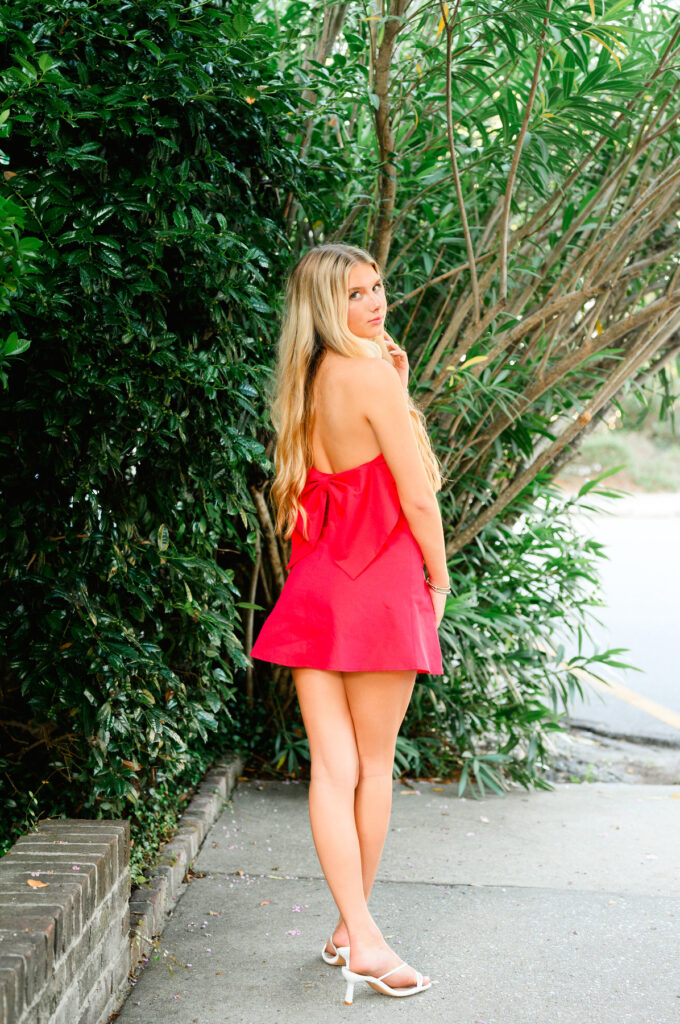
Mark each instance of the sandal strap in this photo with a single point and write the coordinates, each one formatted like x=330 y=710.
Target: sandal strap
x=402 y=964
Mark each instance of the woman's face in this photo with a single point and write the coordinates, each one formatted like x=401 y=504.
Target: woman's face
x=366 y=303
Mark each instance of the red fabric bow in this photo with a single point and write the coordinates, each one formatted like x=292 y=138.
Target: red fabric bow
x=363 y=509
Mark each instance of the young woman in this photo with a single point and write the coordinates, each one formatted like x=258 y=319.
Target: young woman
x=355 y=489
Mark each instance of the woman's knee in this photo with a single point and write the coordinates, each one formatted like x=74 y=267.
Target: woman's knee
x=335 y=768
x=376 y=765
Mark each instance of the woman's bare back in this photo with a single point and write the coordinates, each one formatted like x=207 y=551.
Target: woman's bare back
x=341 y=434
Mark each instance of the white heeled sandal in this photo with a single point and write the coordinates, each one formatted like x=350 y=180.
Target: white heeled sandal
x=379 y=985
x=340 y=958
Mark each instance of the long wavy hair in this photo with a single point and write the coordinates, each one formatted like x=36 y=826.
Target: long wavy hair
x=314 y=318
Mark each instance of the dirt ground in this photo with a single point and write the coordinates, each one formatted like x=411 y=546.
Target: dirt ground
x=584 y=755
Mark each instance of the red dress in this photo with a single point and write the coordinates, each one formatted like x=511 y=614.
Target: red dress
x=355 y=598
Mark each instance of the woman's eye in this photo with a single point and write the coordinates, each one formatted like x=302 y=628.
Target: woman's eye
x=354 y=295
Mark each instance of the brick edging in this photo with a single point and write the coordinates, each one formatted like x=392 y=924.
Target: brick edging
x=71 y=933
x=64 y=921
x=151 y=903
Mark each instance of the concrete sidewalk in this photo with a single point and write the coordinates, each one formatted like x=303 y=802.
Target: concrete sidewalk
x=557 y=907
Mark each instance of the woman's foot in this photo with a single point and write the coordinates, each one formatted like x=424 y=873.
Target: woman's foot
x=340 y=937
x=378 y=958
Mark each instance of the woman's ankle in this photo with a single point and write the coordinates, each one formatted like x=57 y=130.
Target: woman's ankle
x=365 y=935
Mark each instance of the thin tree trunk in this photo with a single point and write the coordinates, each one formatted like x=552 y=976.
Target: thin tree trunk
x=387 y=175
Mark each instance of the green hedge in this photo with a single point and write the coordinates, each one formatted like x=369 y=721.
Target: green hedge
x=144 y=147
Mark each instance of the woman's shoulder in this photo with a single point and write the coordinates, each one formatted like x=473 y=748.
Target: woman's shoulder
x=360 y=370
x=377 y=380
x=359 y=383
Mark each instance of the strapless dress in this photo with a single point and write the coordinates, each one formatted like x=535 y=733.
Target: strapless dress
x=355 y=597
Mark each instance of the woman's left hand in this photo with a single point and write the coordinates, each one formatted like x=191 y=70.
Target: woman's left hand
x=399 y=359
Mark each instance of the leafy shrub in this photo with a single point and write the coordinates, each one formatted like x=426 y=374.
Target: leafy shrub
x=17 y=252
x=518 y=590
x=145 y=151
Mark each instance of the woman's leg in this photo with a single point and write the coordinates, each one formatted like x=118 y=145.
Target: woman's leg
x=352 y=723
x=334 y=776
x=378 y=705
x=378 y=702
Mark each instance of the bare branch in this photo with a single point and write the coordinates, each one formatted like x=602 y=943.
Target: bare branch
x=267 y=528
x=387 y=176
x=449 y=25
x=333 y=19
x=505 y=220
x=568 y=364
x=250 y=617
x=528 y=473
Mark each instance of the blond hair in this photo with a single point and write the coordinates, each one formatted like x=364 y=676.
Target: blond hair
x=314 y=318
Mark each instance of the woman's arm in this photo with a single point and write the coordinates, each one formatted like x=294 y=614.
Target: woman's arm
x=383 y=402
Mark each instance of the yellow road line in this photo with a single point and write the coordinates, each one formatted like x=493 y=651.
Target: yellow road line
x=671 y=718
x=624 y=693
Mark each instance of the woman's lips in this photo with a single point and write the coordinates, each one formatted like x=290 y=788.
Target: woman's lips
x=376 y=320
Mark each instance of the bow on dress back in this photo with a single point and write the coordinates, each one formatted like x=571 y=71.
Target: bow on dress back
x=355 y=511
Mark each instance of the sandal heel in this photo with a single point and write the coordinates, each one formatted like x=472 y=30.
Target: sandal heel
x=340 y=958
x=351 y=977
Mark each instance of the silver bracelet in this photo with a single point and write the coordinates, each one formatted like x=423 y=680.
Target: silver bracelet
x=439 y=590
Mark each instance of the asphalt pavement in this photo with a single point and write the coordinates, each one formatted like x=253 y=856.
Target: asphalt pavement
x=540 y=907
x=640 y=585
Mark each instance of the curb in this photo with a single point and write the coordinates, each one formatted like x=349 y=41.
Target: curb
x=649 y=740
x=152 y=903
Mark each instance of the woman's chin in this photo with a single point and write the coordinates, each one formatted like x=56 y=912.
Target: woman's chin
x=371 y=333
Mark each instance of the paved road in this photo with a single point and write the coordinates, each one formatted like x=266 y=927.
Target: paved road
x=641 y=586
x=557 y=907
